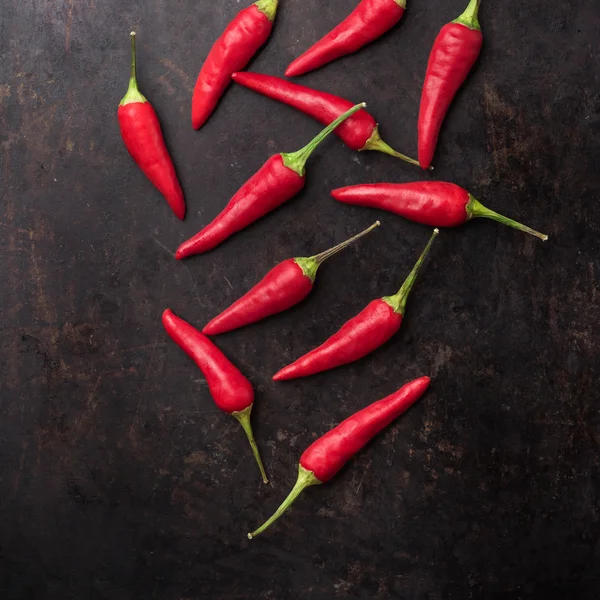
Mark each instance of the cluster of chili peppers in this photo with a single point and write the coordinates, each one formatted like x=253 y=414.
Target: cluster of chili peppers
x=433 y=203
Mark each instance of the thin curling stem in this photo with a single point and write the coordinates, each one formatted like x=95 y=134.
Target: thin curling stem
x=243 y=417
x=297 y=160
x=398 y=300
x=323 y=256
x=133 y=76
x=476 y=209
x=305 y=478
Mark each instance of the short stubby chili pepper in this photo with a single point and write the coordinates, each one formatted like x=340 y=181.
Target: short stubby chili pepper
x=323 y=459
x=436 y=203
x=359 y=132
x=230 y=390
x=278 y=180
x=369 y=329
x=140 y=130
x=240 y=41
x=367 y=22
x=454 y=52
x=281 y=288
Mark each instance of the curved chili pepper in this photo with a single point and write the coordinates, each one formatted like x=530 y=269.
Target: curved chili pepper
x=369 y=329
x=230 y=390
x=368 y=21
x=435 y=203
x=240 y=41
x=326 y=456
x=278 y=180
x=454 y=52
x=359 y=132
x=281 y=288
x=140 y=130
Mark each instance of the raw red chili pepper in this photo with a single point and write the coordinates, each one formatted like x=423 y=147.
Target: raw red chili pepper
x=435 y=203
x=454 y=52
x=327 y=455
x=281 y=288
x=369 y=329
x=230 y=390
x=278 y=180
x=368 y=21
x=240 y=41
x=143 y=138
x=359 y=132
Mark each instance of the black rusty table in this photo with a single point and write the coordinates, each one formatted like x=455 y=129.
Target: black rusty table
x=120 y=479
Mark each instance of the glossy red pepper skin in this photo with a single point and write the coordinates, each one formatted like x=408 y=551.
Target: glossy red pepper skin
x=240 y=41
x=454 y=53
x=143 y=138
x=362 y=334
x=281 y=288
x=271 y=186
x=327 y=455
x=278 y=180
x=359 y=132
x=321 y=106
x=367 y=22
x=230 y=390
x=359 y=336
x=435 y=203
x=141 y=132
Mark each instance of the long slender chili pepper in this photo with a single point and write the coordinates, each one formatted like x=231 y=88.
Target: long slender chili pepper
x=359 y=132
x=454 y=52
x=278 y=180
x=327 y=455
x=230 y=390
x=240 y=41
x=368 y=21
x=435 y=203
x=369 y=329
x=143 y=138
x=281 y=288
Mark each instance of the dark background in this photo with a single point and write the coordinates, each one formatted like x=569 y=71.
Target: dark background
x=120 y=479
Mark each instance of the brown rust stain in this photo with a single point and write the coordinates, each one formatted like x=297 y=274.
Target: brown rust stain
x=68 y=24
x=172 y=68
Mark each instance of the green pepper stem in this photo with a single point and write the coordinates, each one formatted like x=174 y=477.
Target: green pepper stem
x=470 y=17
x=476 y=209
x=305 y=479
x=133 y=93
x=297 y=160
x=268 y=8
x=311 y=264
x=398 y=300
x=376 y=143
x=243 y=416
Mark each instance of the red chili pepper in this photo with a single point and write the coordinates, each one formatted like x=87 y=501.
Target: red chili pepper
x=368 y=21
x=278 y=180
x=362 y=334
x=240 y=41
x=435 y=203
x=359 y=132
x=454 y=52
x=327 y=455
x=230 y=390
x=281 y=288
x=143 y=138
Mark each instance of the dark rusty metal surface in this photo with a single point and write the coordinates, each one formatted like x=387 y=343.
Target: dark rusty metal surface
x=120 y=479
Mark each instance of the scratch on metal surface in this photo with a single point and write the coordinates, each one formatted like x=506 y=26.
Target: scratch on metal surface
x=163 y=246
